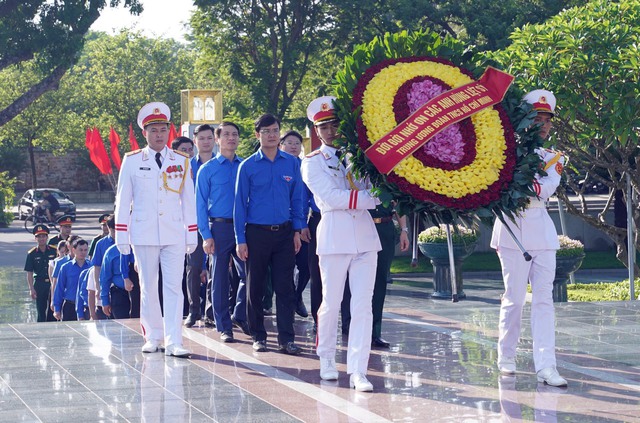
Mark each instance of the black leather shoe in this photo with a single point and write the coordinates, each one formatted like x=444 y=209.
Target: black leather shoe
x=209 y=323
x=189 y=322
x=301 y=310
x=260 y=346
x=291 y=348
x=379 y=343
x=226 y=336
x=243 y=325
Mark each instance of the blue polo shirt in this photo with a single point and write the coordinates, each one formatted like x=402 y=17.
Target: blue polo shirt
x=67 y=285
x=195 y=164
x=268 y=193
x=215 y=189
x=111 y=272
x=82 y=296
x=57 y=264
x=101 y=247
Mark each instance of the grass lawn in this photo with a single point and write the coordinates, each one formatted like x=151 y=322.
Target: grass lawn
x=489 y=262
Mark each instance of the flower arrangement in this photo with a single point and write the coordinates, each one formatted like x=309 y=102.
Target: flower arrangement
x=438 y=234
x=465 y=170
x=569 y=247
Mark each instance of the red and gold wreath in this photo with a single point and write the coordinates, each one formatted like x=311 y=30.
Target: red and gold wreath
x=463 y=167
x=466 y=167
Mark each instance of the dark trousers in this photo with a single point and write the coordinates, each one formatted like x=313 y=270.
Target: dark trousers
x=43 y=290
x=315 y=290
x=302 y=263
x=275 y=249
x=224 y=239
x=100 y=314
x=386 y=232
x=195 y=262
x=134 y=295
x=69 y=311
x=120 y=303
x=316 y=281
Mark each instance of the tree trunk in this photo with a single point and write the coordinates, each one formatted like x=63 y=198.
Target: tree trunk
x=32 y=163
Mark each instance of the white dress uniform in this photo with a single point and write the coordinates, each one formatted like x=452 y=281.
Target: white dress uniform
x=537 y=234
x=347 y=243
x=156 y=215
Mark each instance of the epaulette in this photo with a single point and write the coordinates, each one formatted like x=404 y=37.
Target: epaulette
x=31 y=250
x=182 y=153
x=313 y=153
x=131 y=153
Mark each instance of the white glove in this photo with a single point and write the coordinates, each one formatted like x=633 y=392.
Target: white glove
x=191 y=248
x=124 y=248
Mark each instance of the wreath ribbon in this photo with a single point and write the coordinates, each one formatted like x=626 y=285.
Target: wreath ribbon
x=437 y=114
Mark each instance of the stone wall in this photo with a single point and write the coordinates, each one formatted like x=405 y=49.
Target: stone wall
x=70 y=172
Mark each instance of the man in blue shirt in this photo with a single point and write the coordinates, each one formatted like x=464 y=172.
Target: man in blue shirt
x=64 y=297
x=101 y=248
x=115 y=285
x=268 y=219
x=196 y=274
x=214 y=202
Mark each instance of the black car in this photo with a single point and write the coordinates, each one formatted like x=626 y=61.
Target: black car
x=33 y=196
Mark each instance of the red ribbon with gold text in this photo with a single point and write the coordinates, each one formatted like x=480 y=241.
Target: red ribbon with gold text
x=437 y=114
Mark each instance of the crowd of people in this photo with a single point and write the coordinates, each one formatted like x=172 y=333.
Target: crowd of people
x=232 y=231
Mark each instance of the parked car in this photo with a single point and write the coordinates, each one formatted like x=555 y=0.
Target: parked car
x=33 y=196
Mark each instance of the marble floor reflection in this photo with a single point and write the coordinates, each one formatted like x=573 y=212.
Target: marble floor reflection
x=440 y=367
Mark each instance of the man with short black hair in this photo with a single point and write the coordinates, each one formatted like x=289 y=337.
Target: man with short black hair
x=155 y=215
x=102 y=221
x=37 y=268
x=183 y=144
x=64 y=296
x=214 y=200
x=268 y=219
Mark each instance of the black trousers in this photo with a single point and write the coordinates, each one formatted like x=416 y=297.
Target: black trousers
x=120 y=303
x=134 y=295
x=69 y=311
x=274 y=249
x=316 y=282
x=43 y=290
x=195 y=262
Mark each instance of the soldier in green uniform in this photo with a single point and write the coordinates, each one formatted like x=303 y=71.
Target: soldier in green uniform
x=104 y=231
x=383 y=218
x=65 y=223
x=37 y=268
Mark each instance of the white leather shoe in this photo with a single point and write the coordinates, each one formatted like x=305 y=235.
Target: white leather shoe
x=177 y=351
x=507 y=365
x=328 y=369
x=151 y=346
x=551 y=377
x=360 y=383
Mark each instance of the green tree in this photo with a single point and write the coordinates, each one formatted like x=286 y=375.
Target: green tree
x=114 y=77
x=589 y=57
x=49 y=34
x=277 y=55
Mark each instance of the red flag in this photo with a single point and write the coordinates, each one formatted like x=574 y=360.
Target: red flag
x=114 y=140
x=173 y=134
x=99 y=154
x=132 y=139
x=87 y=139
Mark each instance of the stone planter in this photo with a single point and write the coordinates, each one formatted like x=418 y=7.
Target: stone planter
x=565 y=266
x=438 y=253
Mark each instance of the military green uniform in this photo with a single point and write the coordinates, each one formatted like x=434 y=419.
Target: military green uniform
x=38 y=263
x=383 y=218
x=53 y=242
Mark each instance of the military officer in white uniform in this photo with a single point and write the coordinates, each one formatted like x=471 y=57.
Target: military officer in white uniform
x=156 y=215
x=537 y=234
x=347 y=242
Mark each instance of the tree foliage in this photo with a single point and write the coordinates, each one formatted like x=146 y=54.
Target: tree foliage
x=114 y=77
x=277 y=55
x=49 y=34
x=589 y=57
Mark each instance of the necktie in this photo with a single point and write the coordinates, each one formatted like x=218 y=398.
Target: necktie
x=159 y=160
x=341 y=159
